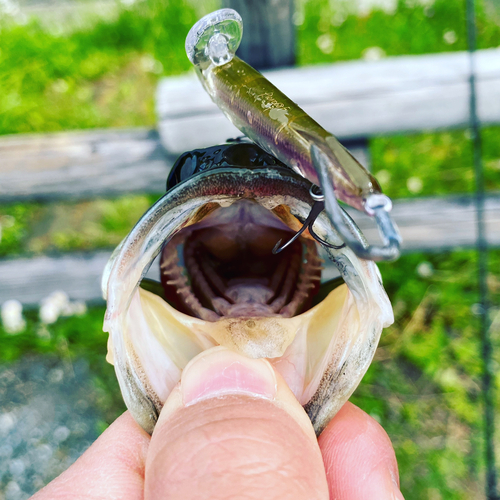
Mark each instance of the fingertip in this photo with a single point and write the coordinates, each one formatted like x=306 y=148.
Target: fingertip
x=244 y=447
x=126 y=440
x=219 y=371
x=359 y=458
x=233 y=425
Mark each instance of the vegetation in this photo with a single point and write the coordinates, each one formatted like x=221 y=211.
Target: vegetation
x=101 y=77
x=329 y=31
x=424 y=385
x=430 y=164
x=44 y=228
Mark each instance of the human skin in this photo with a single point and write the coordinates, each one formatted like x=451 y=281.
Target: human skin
x=232 y=429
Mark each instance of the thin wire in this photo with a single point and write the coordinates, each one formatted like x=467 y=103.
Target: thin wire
x=482 y=266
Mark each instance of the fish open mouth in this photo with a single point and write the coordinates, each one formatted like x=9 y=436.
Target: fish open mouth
x=221 y=284
x=223 y=266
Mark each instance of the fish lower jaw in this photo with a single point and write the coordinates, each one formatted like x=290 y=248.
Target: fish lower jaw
x=160 y=341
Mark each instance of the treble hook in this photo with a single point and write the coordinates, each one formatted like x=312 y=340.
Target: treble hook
x=317 y=208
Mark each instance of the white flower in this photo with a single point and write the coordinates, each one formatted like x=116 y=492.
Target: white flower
x=339 y=18
x=58 y=304
x=384 y=177
x=60 y=86
x=74 y=308
x=450 y=37
x=373 y=54
x=12 y=316
x=51 y=307
x=414 y=184
x=298 y=18
x=151 y=65
x=8 y=7
x=425 y=269
x=325 y=43
x=365 y=7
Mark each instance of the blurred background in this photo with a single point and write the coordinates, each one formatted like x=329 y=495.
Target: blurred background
x=96 y=64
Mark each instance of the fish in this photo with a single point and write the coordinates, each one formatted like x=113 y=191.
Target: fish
x=226 y=280
x=212 y=235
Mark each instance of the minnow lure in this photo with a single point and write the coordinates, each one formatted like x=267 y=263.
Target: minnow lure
x=269 y=118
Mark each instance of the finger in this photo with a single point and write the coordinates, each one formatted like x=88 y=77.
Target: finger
x=113 y=467
x=359 y=458
x=232 y=429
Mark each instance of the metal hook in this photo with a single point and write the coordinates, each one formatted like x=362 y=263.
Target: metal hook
x=316 y=209
x=376 y=205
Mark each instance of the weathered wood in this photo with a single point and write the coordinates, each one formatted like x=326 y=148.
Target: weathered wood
x=78 y=274
x=351 y=99
x=86 y=164
x=72 y=165
x=269 y=33
x=432 y=224
x=435 y=224
x=30 y=280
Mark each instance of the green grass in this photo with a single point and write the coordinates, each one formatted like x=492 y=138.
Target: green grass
x=411 y=29
x=431 y=164
x=16 y=222
x=424 y=385
x=46 y=228
x=101 y=77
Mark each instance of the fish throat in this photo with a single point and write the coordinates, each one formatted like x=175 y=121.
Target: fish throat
x=223 y=266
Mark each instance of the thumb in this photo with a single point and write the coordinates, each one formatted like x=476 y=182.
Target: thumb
x=232 y=429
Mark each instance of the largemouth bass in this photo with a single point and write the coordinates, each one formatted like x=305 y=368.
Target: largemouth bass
x=214 y=236
x=213 y=233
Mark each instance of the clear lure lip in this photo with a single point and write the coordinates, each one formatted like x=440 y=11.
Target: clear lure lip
x=280 y=127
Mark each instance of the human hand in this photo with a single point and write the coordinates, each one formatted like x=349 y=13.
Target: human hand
x=233 y=429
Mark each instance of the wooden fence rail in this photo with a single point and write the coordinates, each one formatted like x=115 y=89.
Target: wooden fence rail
x=432 y=224
x=82 y=164
x=352 y=99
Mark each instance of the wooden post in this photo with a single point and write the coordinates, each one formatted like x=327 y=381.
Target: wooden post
x=268 y=32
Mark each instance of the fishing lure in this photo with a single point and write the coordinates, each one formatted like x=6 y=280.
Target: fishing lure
x=273 y=121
